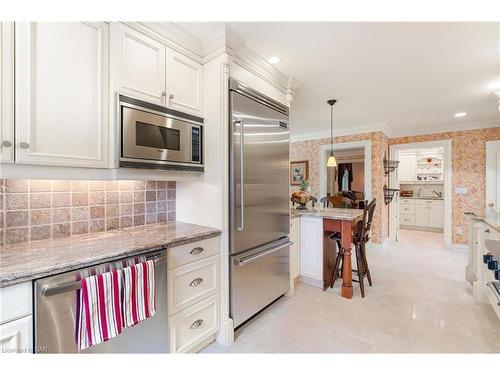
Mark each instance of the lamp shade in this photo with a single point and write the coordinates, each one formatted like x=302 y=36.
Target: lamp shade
x=332 y=162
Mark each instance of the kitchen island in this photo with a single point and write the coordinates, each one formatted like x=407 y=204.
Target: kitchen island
x=317 y=250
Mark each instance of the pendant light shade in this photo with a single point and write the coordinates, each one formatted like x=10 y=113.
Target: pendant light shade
x=332 y=162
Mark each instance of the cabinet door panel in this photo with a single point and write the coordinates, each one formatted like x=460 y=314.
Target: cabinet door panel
x=62 y=94
x=407 y=168
x=184 y=83
x=6 y=92
x=17 y=336
x=436 y=216
x=295 y=247
x=140 y=61
x=311 y=247
x=421 y=215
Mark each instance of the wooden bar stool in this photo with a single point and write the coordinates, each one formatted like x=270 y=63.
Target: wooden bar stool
x=360 y=238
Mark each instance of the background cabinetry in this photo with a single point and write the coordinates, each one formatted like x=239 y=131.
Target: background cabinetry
x=407 y=168
x=6 y=92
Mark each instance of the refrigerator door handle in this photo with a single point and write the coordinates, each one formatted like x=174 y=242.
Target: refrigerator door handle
x=241 y=225
x=245 y=260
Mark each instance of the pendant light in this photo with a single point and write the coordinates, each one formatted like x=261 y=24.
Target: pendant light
x=332 y=162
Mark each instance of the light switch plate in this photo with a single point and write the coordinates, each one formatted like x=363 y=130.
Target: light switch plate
x=461 y=190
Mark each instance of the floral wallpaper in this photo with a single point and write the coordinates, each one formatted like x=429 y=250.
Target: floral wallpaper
x=309 y=150
x=468 y=170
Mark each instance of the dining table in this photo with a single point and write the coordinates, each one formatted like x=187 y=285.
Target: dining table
x=336 y=220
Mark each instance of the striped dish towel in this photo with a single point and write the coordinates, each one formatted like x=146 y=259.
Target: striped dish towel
x=99 y=309
x=139 y=301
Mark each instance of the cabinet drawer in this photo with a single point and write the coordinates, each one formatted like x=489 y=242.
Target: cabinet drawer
x=407 y=209
x=407 y=201
x=187 y=328
x=15 y=301
x=191 y=283
x=407 y=219
x=183 y=254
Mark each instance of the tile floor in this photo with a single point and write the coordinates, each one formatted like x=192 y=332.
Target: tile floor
x=419 y=303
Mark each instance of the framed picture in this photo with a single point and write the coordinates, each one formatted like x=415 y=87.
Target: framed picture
x=299 y=172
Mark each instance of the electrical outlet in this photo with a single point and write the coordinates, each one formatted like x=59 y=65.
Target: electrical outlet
x=459 y=230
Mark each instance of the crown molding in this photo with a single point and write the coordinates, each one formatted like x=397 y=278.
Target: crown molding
x=396 y=133
x=340 y=132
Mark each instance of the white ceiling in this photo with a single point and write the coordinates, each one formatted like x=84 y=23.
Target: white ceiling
x=410 y=76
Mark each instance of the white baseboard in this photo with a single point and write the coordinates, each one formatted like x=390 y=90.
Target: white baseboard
x=225 y=336
x=310 y=281
x=460 y=248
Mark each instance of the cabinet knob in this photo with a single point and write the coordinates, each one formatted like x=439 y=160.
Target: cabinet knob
x=171 y=96
x=491 y=204
x=487 y=231
x=24 y=145
x=163 y=93
x=196 y=324
x=196 y=282
x=6 y=143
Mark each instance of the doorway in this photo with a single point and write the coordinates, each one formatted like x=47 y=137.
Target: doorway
x=422 y=208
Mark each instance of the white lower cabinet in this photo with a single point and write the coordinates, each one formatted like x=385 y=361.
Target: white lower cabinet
x=193 y=295
x=17 y=336
x=311 y=250
x=425 y=214
x=16 y=320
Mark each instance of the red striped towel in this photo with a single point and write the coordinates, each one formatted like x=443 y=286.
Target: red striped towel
x=99 y=309
x=139 y=301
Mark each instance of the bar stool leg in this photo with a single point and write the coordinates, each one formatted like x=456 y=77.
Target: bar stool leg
x=335 y=271
x=367 y=270
x=361 y=274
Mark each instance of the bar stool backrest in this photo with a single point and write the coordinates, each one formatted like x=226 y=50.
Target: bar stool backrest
x=364 y=226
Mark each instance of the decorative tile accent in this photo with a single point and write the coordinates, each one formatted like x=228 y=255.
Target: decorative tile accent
x=40 y=209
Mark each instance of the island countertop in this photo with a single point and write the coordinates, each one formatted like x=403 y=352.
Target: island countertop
x=493 y=220
x=329 y=213
x=32 y=260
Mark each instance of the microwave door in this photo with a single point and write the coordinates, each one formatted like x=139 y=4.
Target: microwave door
x=152 y=137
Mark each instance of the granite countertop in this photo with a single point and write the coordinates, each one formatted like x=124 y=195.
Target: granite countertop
x=491 y=219
x=424 y=198
x=329 y=213
x=493 y=247
x=32 y=260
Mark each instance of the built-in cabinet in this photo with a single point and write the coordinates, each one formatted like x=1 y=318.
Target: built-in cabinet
x=147 y=69
x=421 y=166
x=193 y=295
x=407 y=168
x=421 y=213
x=7 y=92
x=61 y=111
x=311 y=250
x=16 y=319
x=60 y=108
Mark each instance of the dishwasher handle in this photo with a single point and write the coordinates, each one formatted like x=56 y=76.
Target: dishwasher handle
x=49 y=290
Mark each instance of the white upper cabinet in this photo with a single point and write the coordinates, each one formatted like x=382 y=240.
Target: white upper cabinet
x=6 y=92
x=149 y=70
x=62 y=94
x=407 y=169
x=140 y=64
x=184 y=83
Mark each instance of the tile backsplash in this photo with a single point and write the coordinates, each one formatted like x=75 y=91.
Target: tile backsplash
x=424 y=190
x=41 y=209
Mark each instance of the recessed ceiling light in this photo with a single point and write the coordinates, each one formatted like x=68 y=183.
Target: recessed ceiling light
x=273 y=60
x=460 y=114
x=493 y=86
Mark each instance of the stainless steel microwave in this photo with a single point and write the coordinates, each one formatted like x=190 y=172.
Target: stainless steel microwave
x=156 y=137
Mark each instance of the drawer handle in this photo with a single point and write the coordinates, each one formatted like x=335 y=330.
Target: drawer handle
x=196 y=251
x=196 y=324
x=487 y=231
x=196 y=282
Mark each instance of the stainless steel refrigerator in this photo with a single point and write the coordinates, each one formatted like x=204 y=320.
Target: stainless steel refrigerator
x=259 y=201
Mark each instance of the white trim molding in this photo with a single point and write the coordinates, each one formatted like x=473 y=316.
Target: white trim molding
x=360 y=129
x=366 y=145
x=447 y=183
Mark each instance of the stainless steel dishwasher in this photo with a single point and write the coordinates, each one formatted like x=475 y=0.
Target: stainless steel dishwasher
x=55 y=313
